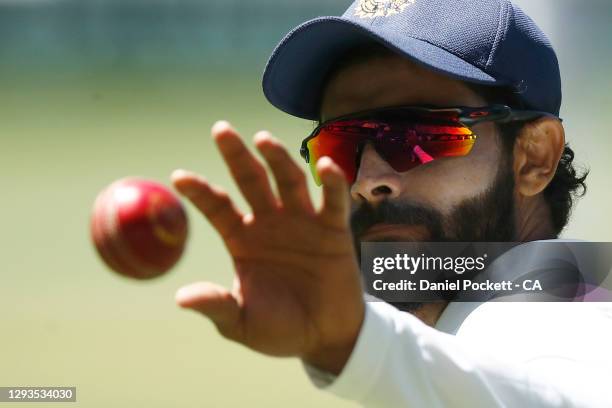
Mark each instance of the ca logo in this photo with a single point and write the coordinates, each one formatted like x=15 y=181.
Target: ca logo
x=381 y=8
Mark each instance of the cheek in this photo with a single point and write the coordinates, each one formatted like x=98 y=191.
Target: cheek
x=444 y=183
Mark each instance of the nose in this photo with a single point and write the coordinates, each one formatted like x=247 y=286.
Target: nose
x=376 y=180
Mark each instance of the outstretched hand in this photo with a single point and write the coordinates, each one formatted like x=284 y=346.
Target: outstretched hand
x=297 y=290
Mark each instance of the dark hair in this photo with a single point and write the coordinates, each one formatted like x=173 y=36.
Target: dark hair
x=567 y=185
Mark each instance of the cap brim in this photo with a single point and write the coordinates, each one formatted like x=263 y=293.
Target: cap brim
x=294 y=76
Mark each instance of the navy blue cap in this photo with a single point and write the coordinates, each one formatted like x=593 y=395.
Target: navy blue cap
x=491 y=42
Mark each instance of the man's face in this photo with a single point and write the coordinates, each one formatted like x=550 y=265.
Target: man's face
x=459 y=198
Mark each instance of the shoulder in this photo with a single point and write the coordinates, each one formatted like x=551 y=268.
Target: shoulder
x=527 y=331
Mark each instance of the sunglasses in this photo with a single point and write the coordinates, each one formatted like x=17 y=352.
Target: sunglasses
x=405 y=137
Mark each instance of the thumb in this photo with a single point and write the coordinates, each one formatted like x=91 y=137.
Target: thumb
x=214 y=302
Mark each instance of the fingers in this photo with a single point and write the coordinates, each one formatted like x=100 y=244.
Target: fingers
x=336 y=204
x=214 y=302
x=290 y=178
x=247 y=171
x=213 y=202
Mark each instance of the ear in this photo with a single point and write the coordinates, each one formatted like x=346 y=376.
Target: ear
x=537 y=152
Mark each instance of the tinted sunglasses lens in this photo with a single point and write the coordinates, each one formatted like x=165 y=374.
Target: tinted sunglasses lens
x=341 y=144
x=412 y=145
x=403 y=145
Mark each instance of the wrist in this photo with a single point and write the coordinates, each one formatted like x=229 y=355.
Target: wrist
x=332 y=357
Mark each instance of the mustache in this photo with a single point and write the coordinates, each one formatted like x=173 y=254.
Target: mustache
x=389 y=212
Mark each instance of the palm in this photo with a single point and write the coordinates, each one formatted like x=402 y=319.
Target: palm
x=297 y=282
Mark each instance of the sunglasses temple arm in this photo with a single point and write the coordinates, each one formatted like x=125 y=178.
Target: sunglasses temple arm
x=512 y=116
x=522 y=115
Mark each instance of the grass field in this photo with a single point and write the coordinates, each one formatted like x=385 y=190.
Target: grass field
x=66 y=320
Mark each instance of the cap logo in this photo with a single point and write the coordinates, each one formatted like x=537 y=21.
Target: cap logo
x=381 y=8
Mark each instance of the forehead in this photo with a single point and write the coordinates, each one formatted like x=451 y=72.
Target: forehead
x=391 y=80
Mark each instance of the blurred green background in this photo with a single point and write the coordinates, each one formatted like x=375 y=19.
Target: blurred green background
x=95 y=90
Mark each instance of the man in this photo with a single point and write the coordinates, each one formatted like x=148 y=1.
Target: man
x=297 y=290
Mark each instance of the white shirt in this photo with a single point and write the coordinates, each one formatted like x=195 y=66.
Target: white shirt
x=494 y=354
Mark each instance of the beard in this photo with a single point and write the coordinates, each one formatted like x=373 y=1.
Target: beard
x=487 y=217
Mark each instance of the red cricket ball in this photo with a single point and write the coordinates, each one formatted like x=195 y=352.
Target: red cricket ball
x=139 y=228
